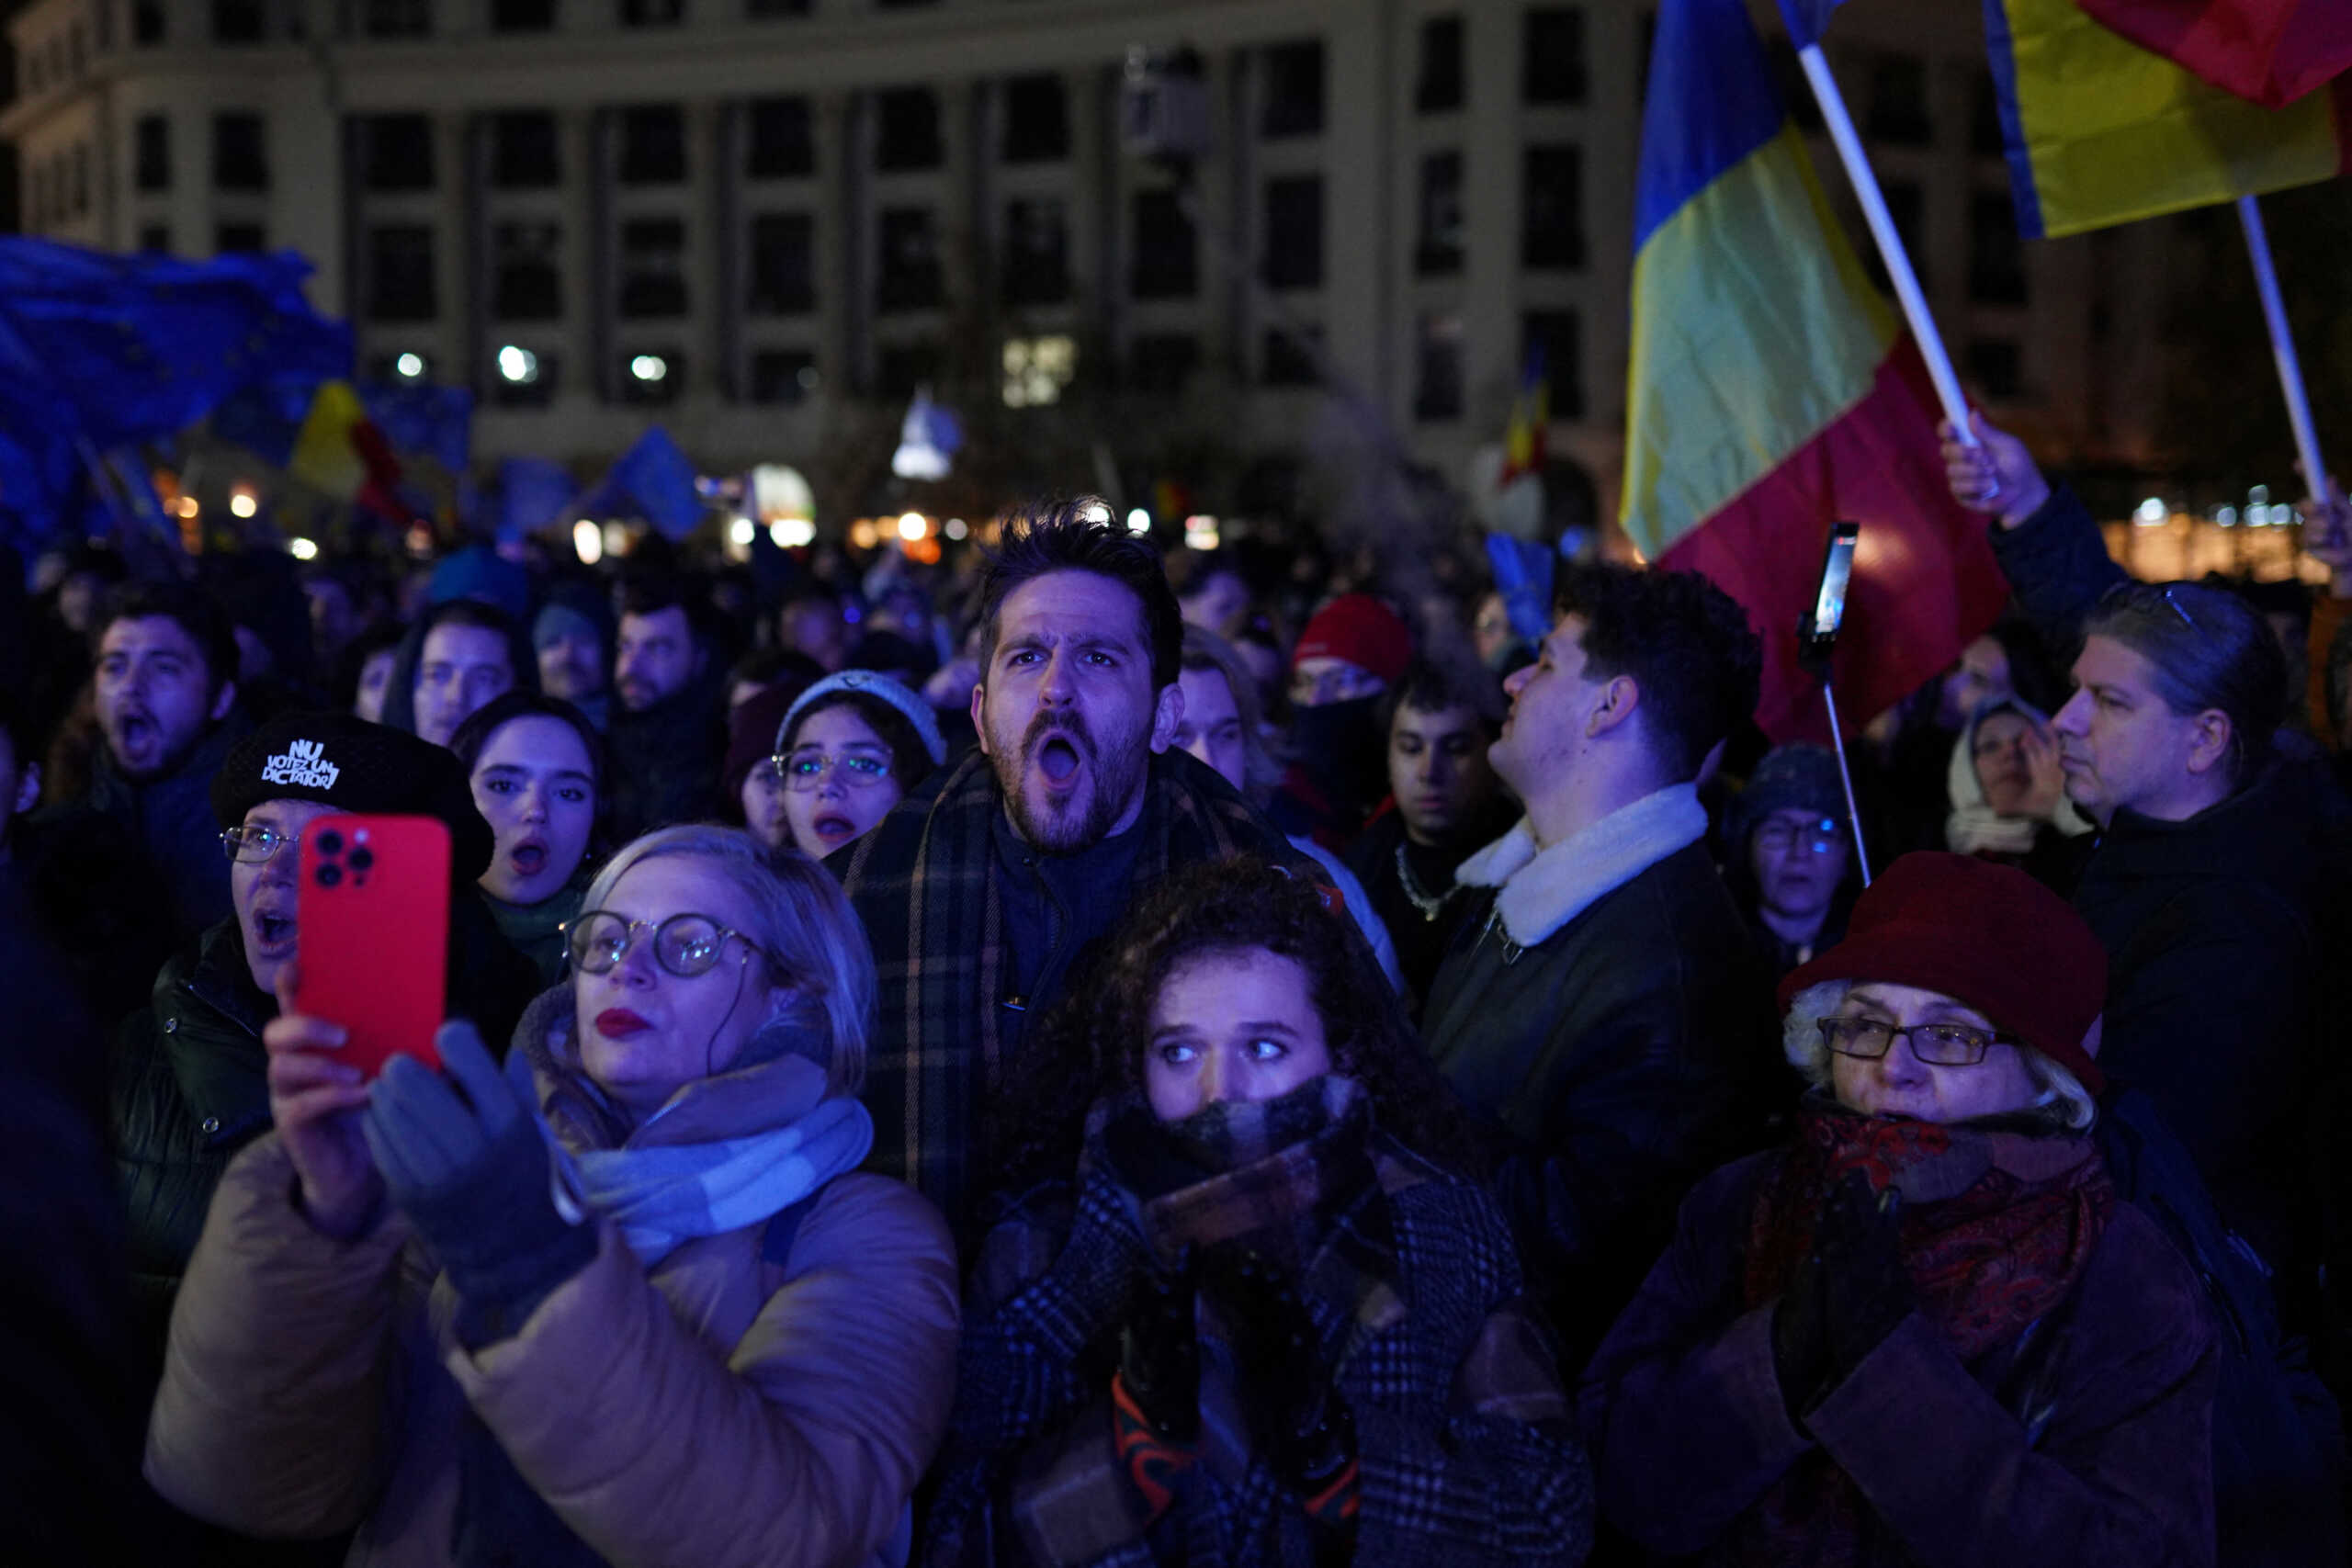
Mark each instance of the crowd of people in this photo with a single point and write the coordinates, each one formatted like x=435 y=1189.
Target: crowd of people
x=1076 y=1055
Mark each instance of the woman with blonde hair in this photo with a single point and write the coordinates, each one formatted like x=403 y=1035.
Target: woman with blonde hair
x=629 y=1301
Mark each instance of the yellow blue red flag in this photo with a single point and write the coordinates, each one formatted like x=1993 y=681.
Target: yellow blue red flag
x=1770 y=394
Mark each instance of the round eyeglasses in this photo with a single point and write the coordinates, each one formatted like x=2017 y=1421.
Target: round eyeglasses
x=685 y=945
x=252 y=845
x=1938 y=1045
x=805 y=770
x=1818 y=838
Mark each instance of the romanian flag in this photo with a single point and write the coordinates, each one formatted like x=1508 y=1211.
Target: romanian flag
x=1531 y=417
x=2267 y=51
x=2101 y=130
x=1770 y=394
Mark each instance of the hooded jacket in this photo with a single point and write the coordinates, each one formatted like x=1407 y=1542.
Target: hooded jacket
x=729 y=1407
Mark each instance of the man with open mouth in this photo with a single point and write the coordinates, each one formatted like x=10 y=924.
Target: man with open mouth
x=986 y=883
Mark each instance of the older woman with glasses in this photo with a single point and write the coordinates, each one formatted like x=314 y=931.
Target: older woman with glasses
x=1929 y=1332
x=849 y=748
x=627 y=1301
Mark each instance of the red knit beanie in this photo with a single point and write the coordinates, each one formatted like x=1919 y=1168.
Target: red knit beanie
x=1361 y=630
x=1984 y=934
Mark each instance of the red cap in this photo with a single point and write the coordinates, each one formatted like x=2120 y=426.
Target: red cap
x=1984 y=934
x=1361 y=630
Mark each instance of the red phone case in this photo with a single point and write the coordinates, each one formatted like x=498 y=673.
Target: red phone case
x=372 y=919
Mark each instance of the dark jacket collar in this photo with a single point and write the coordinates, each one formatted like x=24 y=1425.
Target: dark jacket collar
x=211 y=1015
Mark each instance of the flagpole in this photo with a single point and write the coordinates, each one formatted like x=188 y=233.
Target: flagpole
x=1890 y=242
x=2282 y=350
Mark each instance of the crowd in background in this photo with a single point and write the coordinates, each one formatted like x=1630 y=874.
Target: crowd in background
x=1071 y=1055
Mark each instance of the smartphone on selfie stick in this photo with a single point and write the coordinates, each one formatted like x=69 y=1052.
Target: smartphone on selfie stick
x=372 y=912
x=1817 y=631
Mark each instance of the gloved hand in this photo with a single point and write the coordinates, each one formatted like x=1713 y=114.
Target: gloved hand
x=465 y=1158
x=1156 y=1393
x=1297 y=1418
x=1847 y=1296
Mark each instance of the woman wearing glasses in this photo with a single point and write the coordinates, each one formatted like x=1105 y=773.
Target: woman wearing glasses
x=628 y=1300
x=849 y=748
x=1929 y=1332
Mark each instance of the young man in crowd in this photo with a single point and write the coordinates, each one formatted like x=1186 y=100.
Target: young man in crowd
x=165 y=695
x=980 y=888
x=811 y=624
x=668 y=737
x=1349 y=654
x=572 y=636
x=1446 y=803
x=1604 y=1005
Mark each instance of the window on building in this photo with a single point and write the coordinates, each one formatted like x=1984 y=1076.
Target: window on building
x=1552 y=63
x=155 y=239
x=1907 y=204
x=231 y=238
x=1034 y=266
x=1293 y=105
x=396 y=18
x=1437 y=88
x=151 y=157
x=396 y=152
x=1550 y=233
x=1437 y=367
x=782 y=374
x=1437 y=250
x=1984 y=136
x=652 y=267
x=1551 y=340
x=1995 y=257
x=81 y=179
x=1162 y=364
x=905 y=130
x=400 y=272
x=1795 y=91
x=1898 y=100
x=35 y=78
x=1167 y=260
x=768 y=10
x=526 y=272
x=651 y=377
x=240 y=21
x=653 y=145
x=1038 y=369
x=1285 y=362
x=57 y=60
x=1995 y=367
x=652 y=13
x=525 y=149
x=77 y=49
x=239 y=152
x=147 y=25
x=779 y=142
x=522 y=16
x=783 y=280
x=524 y=378
x=900 y=367
x=908 y=278
x=1036 y=120
x=1294 y=231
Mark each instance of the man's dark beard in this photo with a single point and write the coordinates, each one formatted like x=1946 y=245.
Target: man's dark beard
x=1115 y=776
x=174 y=755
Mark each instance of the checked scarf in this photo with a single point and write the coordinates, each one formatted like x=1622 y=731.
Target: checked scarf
x=1997 y=1227
x=925 y=883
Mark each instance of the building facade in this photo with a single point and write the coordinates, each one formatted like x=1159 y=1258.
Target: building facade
x=747 y=217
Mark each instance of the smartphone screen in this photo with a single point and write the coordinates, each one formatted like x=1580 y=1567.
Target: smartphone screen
x=372 y=919
x=1836 y=568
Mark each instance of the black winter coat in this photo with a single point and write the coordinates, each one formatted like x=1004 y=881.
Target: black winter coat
x=171 y=820
x=1622 y=1058
x=666 y=761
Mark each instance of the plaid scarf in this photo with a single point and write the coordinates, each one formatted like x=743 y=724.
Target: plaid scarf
x=925 y=883
x=1997 y=1227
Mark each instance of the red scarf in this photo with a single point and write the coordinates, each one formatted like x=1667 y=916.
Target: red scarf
x=1996 y=1229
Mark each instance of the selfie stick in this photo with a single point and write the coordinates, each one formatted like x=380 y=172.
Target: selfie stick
x=1814 y=645
x=1845 y=775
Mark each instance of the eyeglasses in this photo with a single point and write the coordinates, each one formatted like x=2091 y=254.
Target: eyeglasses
x=805 y=770
x=1938 y=1045
x=1820 y=837
x=252 y=845
x=686 y=945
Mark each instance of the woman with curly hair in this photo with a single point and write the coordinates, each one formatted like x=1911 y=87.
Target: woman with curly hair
x=1266 y=1318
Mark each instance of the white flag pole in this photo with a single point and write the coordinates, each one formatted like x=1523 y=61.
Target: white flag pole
x=1890 y=242
x=2282 y=350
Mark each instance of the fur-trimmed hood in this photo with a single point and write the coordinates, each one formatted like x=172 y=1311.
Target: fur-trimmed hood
x=1544 y=889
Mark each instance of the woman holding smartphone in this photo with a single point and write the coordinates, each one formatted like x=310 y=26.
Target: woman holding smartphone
x=627 y=1301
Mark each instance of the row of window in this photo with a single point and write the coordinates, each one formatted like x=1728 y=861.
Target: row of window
x=57 y=188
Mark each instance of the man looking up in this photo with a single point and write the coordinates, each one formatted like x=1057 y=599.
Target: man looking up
x=981 y=887
x=1604 y=1004
x=667 y=737
x=166 y=690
